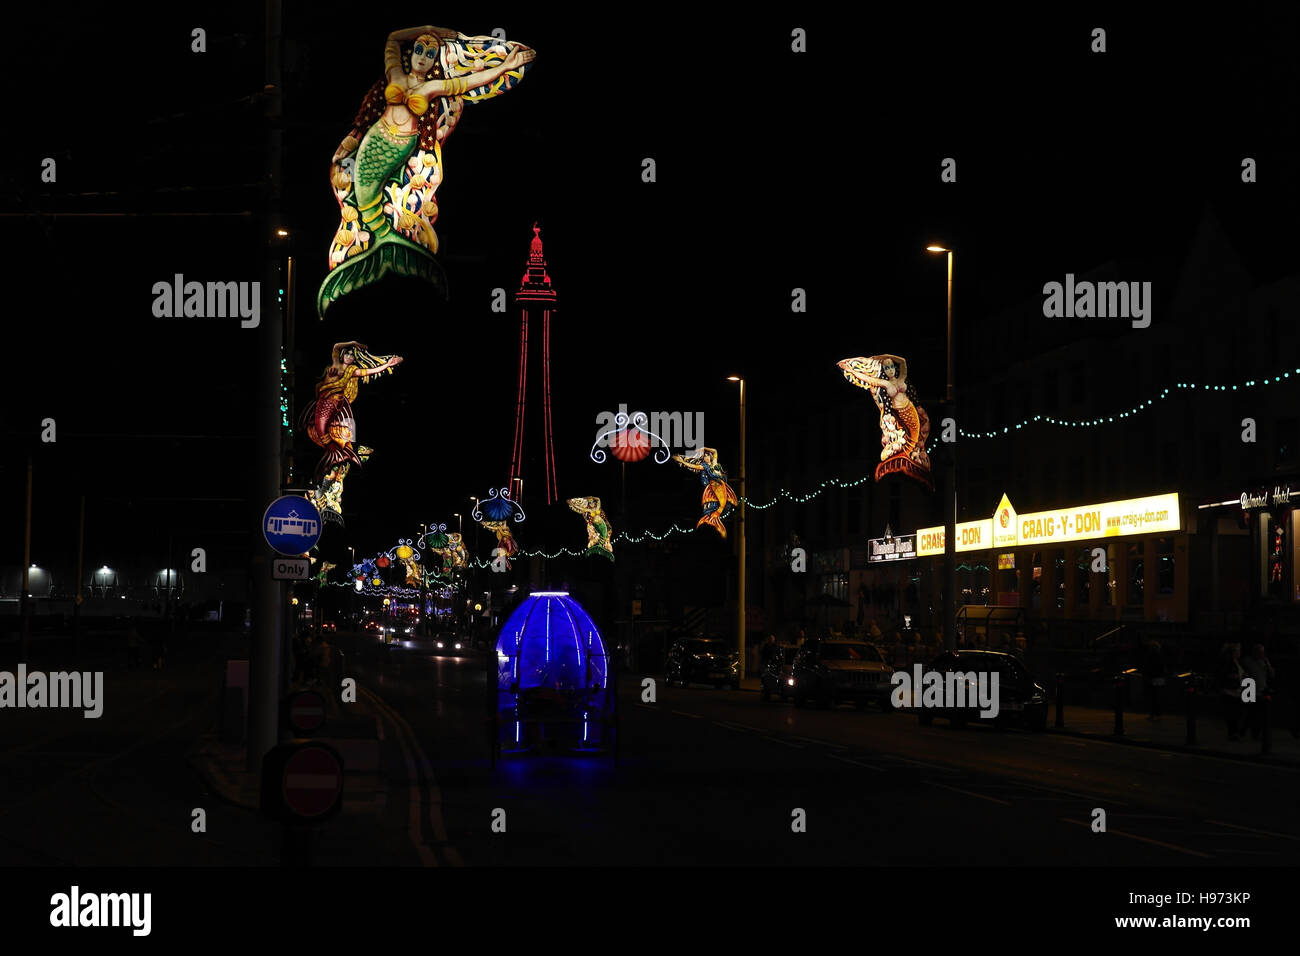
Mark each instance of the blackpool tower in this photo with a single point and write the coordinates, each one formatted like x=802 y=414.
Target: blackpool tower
x=536 y=300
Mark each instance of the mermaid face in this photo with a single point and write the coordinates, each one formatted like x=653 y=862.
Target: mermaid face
x=423 y=56
x=349 y=357
x=888 y=371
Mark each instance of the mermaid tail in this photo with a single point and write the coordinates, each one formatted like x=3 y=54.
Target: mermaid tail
x=379 y=162
x=718 y=499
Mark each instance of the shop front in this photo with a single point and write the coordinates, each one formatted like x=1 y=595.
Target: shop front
x=1115 y=560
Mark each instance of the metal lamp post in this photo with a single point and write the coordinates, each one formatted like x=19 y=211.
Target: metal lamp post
x=950 y=507
x=740 y=522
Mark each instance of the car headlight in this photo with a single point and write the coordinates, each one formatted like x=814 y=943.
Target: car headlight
x=440 y=645
x=457 y=647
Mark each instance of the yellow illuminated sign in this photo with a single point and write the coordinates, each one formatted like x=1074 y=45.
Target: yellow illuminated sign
x=1075 y=523
x=1107 y=520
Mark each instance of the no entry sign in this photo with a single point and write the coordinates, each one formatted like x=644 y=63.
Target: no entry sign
x=312 y=781
x=306 y=711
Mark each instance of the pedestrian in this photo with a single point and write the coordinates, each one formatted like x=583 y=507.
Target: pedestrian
x=803 y=636
x=1153 y=671
x=323 y=659
x=158 y=647
x=1257 y=667
x=766 y=651
x=1229 y=677
x=874 y=631
x=133 y=643
x=900 y=653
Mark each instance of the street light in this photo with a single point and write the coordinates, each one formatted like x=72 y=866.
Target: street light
x=460 y=522
x=740 y=521
x=950 y=516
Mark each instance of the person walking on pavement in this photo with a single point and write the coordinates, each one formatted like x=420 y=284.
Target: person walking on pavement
x=1257 y=667
x=765 y=652
x=1153 y=669
x=1230 y=675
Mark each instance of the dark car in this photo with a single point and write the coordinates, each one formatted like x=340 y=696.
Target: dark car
x=830 y=672
x=703 y=661
x=775 y=676
x=1020 y=700
x=449 y=642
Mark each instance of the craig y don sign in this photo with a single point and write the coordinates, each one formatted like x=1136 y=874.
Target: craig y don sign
x=1075 y=523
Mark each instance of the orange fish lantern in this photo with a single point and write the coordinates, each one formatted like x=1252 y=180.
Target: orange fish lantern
x=383 y=561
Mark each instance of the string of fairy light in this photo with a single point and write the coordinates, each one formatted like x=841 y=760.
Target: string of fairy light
x=783 y=494
x=1131 y=412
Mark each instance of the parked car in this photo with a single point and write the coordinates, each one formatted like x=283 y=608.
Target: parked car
x=830 y=672
x=372 y=627
x=328 y=626
x=704 y=661
x=776 y=674
x=1020 y=700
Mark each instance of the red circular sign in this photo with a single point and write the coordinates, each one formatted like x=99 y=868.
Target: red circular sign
x=312 y=781
x=306 y=711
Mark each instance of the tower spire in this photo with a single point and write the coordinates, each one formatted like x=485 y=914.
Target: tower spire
x=535 y=294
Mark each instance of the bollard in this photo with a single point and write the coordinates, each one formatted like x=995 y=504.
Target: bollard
x=1060 y=701
x=1121 y=681
x=1265 y=731
x=1191 y=708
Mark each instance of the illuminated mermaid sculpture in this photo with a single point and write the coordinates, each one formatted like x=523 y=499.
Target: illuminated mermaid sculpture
x=598 y=529
x=718 y=498
x=331 y=425
x=386 y=171
x=904 y=425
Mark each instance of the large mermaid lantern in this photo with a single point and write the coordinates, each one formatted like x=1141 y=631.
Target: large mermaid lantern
x=904 y=425
x=386 y=171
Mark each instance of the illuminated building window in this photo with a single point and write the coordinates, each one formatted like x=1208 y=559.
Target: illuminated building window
x=1136 y=575
x=1058 y=560
x=1082 y=578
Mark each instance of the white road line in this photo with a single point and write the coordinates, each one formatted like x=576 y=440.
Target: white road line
x=784 y=743
x=682 y=713
x=1134 y=836
x=856 y=763
x=1233 y=826
x=977 y=796
x=1071 y=793
x=730 y=726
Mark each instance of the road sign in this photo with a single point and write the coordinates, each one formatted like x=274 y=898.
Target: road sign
x=306 y=711
x=291 y=569
x=291 y=525
x=312 y=781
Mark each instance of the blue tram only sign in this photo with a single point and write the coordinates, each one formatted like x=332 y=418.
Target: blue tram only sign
x=291 y=525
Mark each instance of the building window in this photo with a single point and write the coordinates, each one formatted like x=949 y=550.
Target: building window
x=1082 y=578
x=1058 y=561
x=836 y=586
x=1136 y=575
x=1110 y=595
x=1165 y=564
x=1036 y=581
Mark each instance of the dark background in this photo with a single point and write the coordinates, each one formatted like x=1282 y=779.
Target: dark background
x=775 y=171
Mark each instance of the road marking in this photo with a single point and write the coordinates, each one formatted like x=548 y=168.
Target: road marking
x=1233 y=826
x=977 y=796
x=730 y=726
x=1134 y=836
x=682 y=713
x=415 y=775
x=1071 y=793
x=784 y=743
x=857 y=763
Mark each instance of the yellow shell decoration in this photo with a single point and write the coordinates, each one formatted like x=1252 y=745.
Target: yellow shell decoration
x=404 y=553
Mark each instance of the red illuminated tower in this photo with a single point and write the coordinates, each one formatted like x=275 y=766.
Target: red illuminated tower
x=535 y=296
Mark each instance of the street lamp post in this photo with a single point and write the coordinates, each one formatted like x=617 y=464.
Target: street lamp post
x=740 y=529
x=950 y=507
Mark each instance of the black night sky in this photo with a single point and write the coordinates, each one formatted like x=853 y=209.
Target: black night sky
x=775 y=171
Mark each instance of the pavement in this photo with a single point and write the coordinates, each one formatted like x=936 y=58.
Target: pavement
x=1169 y=732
